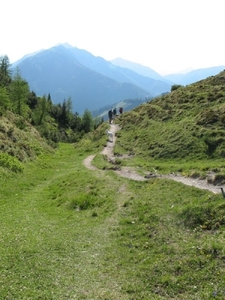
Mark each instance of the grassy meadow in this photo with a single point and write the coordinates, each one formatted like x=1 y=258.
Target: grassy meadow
x=72 y=233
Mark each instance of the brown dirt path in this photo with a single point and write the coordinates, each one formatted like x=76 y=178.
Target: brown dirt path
x=132 y=174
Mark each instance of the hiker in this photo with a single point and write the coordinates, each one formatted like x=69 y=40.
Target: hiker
x=114 y=113
x=121 y=110
x=110 y=114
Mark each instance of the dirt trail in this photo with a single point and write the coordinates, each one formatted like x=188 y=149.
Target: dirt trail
x=132 y=174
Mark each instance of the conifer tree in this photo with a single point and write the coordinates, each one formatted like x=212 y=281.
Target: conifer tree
x=5 y=72
x=19 y=93
x=87 y=121
x=4 y=100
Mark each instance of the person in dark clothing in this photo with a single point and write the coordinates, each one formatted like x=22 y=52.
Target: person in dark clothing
x=110 y=114
x=121 y=110
x=114 y=113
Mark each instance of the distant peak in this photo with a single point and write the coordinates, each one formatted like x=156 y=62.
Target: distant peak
x=65 y=45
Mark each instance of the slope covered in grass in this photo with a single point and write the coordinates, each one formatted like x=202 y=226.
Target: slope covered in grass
x=19 y=142
x=187 y=123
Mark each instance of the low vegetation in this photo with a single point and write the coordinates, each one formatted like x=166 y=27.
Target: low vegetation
x=184 y=129
x=68 y=232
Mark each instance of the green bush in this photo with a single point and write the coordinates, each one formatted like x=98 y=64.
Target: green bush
x=175 y=87
x=10 y=162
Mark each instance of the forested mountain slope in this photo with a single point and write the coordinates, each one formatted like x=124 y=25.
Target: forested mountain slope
x=58 y=72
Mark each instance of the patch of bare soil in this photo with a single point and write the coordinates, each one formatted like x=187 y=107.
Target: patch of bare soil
x=87 y=162
x=132 y=174
x=199 y=183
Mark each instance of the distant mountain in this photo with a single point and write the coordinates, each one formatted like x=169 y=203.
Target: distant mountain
x=195 y=75
x=184 y=78
x=58 y=72
x=155 y=86
x=16 y=63
x=140 y=69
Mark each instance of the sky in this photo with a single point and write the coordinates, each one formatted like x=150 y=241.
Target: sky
x=168 y=36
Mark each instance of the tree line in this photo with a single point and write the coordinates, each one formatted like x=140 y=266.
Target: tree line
x=55 y=122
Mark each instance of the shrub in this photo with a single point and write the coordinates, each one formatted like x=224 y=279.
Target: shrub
x=10 y=162
x=175 y=87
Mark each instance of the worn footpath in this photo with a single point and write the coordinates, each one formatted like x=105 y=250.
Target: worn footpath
x=132 y=174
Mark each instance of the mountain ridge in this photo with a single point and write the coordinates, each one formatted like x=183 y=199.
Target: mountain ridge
x=93 y=82
x=195 y=75
x=183 y=78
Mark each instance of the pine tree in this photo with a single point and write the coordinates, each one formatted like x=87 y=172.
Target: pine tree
x=4 y=100
x=5 y=72
x=87 y=121
x=19 y=93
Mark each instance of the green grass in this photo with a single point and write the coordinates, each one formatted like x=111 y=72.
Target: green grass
x=72 y=233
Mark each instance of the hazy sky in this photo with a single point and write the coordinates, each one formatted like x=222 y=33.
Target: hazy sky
x=165 y=35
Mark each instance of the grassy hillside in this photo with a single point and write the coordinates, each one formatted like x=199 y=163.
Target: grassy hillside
x=68 y=232
x=186 y=125
x=19 y=142
x=188 y=122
